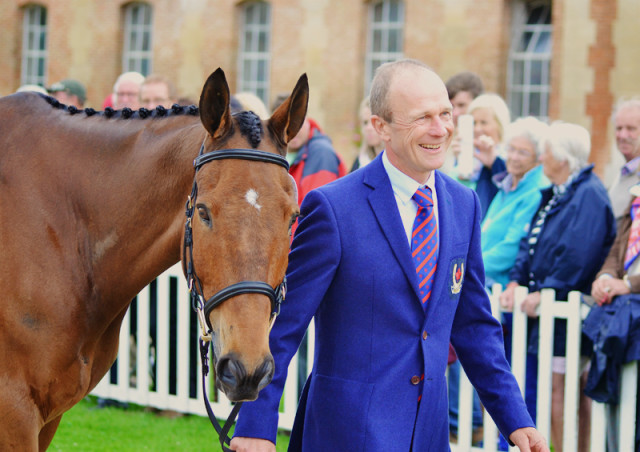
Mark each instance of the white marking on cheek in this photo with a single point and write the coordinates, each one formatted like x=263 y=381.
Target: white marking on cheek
x=252 y=198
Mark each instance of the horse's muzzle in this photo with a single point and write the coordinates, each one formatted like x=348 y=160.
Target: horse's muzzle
x=239 y=386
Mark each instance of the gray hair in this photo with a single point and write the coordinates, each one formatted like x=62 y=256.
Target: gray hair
x=623 y=104
x=570 y=143
x=382 y=82
x=530 y=128
x=132 y=76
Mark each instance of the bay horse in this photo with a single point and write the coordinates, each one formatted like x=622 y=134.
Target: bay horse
x=92 y=209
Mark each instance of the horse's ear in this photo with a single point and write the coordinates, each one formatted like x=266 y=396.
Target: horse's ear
x=214 y=105
x=288 y=118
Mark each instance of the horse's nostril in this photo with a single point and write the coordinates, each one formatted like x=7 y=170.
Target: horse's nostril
x=266 y=372
x=230 y=371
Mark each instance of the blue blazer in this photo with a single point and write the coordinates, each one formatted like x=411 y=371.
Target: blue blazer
x=350 y=267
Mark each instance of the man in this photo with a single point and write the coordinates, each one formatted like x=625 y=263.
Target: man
x=69 y=92
x=627 y=130
x=126 y=91
x=463 y=87
x=378 y=379
x=157 y=90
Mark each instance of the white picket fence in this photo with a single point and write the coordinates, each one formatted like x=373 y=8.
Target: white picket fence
x=171 y=286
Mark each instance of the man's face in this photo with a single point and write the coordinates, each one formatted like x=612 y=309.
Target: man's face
x=127 y=95
x=421 y=129
x=67 y=99
x=460 y=104
x=154 y=94
x=627 y=123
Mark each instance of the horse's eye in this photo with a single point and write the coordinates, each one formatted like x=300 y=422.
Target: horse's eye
x=203 y=213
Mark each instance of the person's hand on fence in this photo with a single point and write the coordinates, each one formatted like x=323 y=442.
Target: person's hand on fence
x=528 y=439
x=530 y=304
x=507 y=298
x=605 y=288
x=242 y=444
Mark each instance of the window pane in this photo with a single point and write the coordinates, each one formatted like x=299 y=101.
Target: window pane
x=394 y=40
x=394 y=11
x=377 y=12
x=261 y=74
x=523 y=46
x=264 y=11
x=535 y=76
x=263 y=43
x=377 y=41
x=534 y=104
x=543 y=45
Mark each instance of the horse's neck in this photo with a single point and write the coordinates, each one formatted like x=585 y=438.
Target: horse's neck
x=139 y=219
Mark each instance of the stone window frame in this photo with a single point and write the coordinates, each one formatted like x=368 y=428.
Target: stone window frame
x=137 y=49
x=254 y=49
x=529 y=65
x=33 y=69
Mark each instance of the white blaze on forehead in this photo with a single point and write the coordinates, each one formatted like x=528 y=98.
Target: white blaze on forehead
x=252 y=198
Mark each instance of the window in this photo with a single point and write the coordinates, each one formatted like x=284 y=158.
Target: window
x=34 y=46
x=385 y=37
x=136 y=54
x=529 y=59
x=255 y=43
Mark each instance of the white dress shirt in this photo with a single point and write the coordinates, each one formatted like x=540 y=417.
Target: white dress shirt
x=404 y=188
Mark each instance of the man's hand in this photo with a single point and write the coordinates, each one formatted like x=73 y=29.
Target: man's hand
x=507 y=298
x=528 y=439
x=241 y=444
x=530 y=304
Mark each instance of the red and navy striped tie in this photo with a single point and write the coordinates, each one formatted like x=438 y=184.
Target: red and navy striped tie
x=424 y=242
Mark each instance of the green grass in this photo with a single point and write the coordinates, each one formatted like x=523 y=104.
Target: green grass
x=89 y=429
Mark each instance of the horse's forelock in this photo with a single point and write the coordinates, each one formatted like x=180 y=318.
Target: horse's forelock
x=250 y=125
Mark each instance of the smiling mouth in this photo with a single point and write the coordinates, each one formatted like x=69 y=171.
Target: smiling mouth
x=430 y=147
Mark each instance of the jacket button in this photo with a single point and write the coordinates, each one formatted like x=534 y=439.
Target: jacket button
x=424 y=335
x=415 y=380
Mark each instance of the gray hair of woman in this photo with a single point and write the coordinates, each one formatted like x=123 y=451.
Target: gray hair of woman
x=498 y=108
x=530 y=128
x=571 y=143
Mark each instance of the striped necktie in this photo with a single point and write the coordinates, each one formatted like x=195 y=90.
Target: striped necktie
x=633 y=244
x=424 y=242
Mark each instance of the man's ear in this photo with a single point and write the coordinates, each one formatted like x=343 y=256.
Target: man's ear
x=381 y=126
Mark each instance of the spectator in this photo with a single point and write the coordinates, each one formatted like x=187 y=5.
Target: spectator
x=250 y=102
x=462 y=88
x=573 y=212
x=617 y=286
x=510 y=212
x=33 y=88
x=126 y=91
x=490 y=119
x=370 y=142
x=157 y=90
x=377 y=339
x=627 y=129
x=69 y=92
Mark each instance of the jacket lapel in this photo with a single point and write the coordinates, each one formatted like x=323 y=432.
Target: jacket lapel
x=385 y=209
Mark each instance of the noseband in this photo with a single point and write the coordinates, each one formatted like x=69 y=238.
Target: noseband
x=203 y=308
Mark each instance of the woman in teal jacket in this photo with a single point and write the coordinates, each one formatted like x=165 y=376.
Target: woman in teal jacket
x=518 y=197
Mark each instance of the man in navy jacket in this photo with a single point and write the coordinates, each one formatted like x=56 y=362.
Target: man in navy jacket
x=378 y=379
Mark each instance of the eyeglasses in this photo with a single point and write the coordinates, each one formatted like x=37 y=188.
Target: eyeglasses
x=520 y=152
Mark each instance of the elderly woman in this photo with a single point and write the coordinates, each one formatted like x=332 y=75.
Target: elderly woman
x=573 y=212
x=518 y=196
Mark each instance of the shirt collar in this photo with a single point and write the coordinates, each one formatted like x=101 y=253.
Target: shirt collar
x=404 y=186
x=631 y=166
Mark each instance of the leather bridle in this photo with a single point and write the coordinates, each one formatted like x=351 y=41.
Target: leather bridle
x=204 y=307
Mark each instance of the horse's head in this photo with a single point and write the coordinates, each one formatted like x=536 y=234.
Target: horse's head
x=244 y=203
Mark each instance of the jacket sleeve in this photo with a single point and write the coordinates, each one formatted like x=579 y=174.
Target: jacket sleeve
x=308 y=280
x=573 y=265
x=502 y=256
x=477 y=338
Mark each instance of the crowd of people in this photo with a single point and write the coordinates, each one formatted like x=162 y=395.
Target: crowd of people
x=530 y=212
